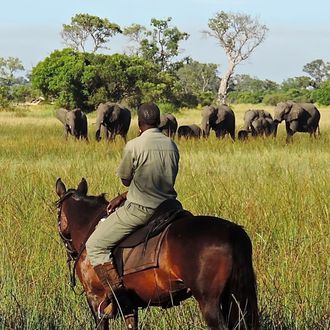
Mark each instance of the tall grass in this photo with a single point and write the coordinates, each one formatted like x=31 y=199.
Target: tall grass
x=278 y=192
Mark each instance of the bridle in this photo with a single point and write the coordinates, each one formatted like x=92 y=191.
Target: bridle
x=73 y=254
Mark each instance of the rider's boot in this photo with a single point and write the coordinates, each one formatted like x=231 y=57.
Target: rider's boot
x=109 y=277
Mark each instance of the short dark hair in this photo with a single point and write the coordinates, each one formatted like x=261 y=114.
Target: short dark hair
x=149 y=114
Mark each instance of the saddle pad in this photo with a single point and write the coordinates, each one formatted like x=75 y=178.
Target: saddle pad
x=142 y=256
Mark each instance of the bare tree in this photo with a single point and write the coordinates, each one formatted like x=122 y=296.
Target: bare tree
x=238 y=35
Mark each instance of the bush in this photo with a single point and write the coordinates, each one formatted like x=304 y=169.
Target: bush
x=322 y=95
x=245 y=97
x=296 y=95
x=167 y=107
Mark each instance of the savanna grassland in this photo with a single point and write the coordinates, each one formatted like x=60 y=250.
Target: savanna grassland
x=280 y=193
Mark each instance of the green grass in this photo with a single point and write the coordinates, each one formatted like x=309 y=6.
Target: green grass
x=278 y=192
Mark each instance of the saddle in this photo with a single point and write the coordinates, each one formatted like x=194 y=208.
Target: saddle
x=140 y=250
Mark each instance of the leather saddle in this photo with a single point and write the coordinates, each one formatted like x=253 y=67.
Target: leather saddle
x=140 y=250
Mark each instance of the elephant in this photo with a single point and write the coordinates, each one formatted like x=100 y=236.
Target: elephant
x=74 y=121
x=242 y=135
x=189 y=131
x=298 y=117
x=112 y=119
x=262 y=126
x=258 y=122
x=168 y=124
x=221 y=119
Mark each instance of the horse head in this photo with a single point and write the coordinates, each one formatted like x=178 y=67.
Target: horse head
x=77 y=213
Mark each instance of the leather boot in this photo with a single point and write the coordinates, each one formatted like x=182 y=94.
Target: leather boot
x=110 y=279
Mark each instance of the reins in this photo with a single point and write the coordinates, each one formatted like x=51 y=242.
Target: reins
x=72 y=253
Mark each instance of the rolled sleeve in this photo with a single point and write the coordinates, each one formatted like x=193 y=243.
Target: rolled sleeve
x=126 y=167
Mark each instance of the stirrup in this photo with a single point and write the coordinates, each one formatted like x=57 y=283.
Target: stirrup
x=106 y=309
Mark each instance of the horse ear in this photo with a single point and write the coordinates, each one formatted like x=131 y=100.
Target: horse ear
x=82 y=187
x=60 y=187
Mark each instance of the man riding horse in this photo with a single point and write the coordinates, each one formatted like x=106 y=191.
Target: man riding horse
x=148 y=168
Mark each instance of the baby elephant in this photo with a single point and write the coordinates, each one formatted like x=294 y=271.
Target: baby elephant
x=189 y=131
x=74 y=121
x=258 y=123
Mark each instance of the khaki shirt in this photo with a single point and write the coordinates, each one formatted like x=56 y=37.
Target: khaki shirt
x=151 y=162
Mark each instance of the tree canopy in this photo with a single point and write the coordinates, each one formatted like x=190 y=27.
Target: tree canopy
x=160 y=44
x=85 y=29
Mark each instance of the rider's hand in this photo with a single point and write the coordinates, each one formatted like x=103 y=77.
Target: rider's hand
x=114 y=203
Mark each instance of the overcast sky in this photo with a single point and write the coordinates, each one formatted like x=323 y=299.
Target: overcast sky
x=299 y=30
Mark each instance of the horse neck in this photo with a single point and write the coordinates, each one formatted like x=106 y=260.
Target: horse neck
x=82 y=218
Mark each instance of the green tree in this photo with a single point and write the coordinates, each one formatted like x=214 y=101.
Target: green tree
x=246 y=83
x=301 y=82
x=322 y=94
x=135 y=33
x=85 y=28
x=318 y=70
x=84 y=80
x=198 y=81
x=59 y=77
x=8 y=69
x=160 y=45
x=239 y=35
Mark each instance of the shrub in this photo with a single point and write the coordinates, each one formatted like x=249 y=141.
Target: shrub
x=245 y=97
x=322 y=95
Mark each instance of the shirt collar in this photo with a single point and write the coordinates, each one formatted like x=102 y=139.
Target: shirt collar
x=151 y=130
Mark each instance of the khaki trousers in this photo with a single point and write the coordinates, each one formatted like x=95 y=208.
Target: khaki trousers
x=113 y=229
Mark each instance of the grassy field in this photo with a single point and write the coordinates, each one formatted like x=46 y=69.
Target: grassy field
x=278 y=192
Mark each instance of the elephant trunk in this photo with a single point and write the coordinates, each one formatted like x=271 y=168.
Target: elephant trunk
x=205 y=128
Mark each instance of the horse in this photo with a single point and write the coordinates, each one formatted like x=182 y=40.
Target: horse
x=204 y=257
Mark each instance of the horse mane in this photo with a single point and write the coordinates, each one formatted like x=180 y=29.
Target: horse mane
x=91 y=200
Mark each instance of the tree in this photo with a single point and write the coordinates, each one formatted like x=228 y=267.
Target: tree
x=158 y=45
x=8 y=69
x=135 y=33
x=199 y=80
x=246 y=83
x=301 y=82
x=75 y=79
x=318 y=70
x=59 y=77
x=85 y=28
x=322 y=94
x=238 y=35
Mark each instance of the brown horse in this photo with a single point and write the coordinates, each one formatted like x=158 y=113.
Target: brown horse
x=201 y=256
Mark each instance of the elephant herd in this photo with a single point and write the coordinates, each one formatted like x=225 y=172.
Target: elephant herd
x=113 y=119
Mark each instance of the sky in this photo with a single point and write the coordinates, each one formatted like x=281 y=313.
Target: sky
x=299 y=30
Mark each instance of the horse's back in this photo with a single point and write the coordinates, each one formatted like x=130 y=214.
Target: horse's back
x=206 y=229
x=203 y=245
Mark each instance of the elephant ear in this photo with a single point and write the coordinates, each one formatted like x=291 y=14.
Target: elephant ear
x=295 y=112
x=222 y=110
x=208 y=110
x=61 y=115
x=115 y=112
x=163 y=120
x=82 y=187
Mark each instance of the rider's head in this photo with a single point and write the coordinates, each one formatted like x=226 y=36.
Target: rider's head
x=148 y=116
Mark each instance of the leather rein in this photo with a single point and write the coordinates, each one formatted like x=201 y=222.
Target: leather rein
x=72 y=254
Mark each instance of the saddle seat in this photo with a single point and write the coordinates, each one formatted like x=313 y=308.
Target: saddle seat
x=140 y=250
